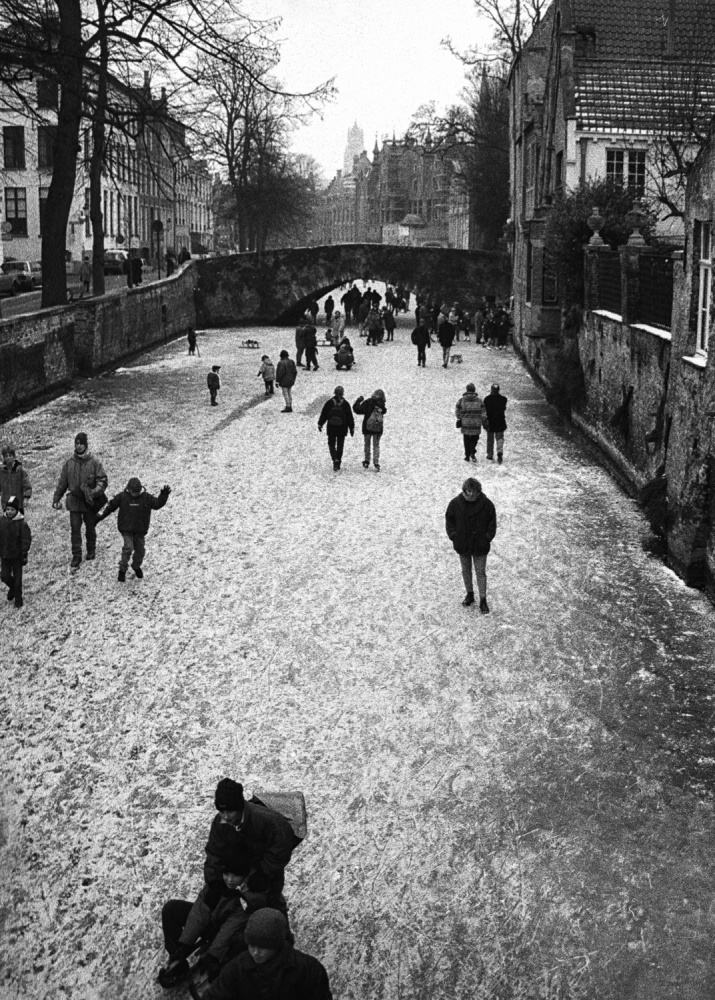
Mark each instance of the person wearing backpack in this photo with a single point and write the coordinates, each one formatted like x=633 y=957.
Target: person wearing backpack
x=339 y=417
x=373 y=411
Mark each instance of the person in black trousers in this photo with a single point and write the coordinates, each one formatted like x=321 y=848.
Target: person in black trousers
x=338 y=415
x=422 y=340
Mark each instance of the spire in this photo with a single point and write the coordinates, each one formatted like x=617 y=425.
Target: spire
x=376 y=149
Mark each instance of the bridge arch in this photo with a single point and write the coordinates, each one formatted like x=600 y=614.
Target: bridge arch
x=276 y=286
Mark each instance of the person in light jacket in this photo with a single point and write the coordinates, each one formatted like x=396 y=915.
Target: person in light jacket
x=470 y=412
x=84 y=481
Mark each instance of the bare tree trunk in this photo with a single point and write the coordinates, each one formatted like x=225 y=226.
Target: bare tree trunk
x=95 y=166
x=61 y=193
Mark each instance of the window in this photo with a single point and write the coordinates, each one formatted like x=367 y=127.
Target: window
x=703 y=248
x=614 y=166
x=586 y=43
x=549 y=288
x=14 y=147
x=43 y=202
x=46 y=135
x=636 y=172
x=16 y=210
x=47 y=94
x=627 y=169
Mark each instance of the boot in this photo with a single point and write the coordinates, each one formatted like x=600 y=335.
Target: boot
x=483 y=606
x=500 y=458
x=76 y=560
x=122 y=575
x=10 y=594
x=173 y=974
x=469 y=599
x=138 y=572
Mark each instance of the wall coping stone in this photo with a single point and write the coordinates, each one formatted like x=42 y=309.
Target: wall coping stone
x=608 y=315
x=696 y=360
x=657 y=331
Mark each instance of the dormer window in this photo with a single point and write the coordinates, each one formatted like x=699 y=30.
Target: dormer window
x=586 y=43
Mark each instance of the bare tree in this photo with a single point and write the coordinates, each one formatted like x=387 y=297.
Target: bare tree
x=511 y=23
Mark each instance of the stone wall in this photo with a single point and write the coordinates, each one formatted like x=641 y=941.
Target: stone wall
x=625 y=381
x=130 y=319
x=36 y=355
x=276 y=286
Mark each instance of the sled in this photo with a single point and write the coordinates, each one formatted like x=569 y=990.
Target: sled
x=253 y=344
x=291 y=805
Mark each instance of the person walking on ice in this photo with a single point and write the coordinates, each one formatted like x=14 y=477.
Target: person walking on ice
x=373 y=410
x=286 y=374
x=495 y=424
x=15 y=542
x=469 y=412
x=268 y=371
x=213 y=380
x=471 y=523
x=339 y=417
x=14 y=480
x=84 y=481
x=135 y=506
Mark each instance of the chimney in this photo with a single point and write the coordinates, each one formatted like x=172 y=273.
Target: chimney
x=146 y=79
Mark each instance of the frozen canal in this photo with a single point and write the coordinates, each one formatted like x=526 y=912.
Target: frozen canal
x=517 y=805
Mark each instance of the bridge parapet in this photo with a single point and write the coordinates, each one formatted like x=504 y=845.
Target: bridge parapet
x=276 y=286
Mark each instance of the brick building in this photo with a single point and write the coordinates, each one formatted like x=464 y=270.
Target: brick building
x=594 y=91
x=149 y=174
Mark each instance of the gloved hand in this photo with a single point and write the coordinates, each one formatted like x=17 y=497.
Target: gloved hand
x=56 y=505
x=166 y=490
x=320 y=429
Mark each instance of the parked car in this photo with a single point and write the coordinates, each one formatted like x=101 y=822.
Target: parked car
x=37 y=272
x=114 y=261
x=23 y=280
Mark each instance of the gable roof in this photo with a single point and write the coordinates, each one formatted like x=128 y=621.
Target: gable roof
x=657 y=97
x=638 y=29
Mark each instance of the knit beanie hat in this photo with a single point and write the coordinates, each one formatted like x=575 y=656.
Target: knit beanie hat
x=378 y=394
x=81 y=438
x=266 y=928
x=13 y=502
x=471 y=387
x=229 y=794
x=134 y=485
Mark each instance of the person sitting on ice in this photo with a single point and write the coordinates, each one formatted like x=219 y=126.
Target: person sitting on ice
x=270 y=967
x=248 y=848
x=344 y=357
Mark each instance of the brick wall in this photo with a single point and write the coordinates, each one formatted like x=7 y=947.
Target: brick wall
x=130 y=319
x=36 y=355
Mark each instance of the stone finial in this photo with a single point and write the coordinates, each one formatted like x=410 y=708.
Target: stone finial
x=635 y=219
x=596 y=222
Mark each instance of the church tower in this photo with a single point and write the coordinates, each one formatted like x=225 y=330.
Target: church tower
x=355 y=146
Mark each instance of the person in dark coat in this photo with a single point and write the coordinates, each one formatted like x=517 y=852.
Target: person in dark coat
x=300 y=341
x=389 y=322
x=213 y=381
x=372 y=410
x=271 y=969
x=445 y=335
x=422 y=340
x=15 y=542
x=313 y=309
x=310 y=339
x=248 y=849
x=344 y=356
x=135 y=506
x=495 y=424
x=14 y=480
x=373 y=325
x=191 y=337
x=137 y=270
x=339 y=417
x=328 y=308
x=286 y=374
x=84 y=481
x=471 y=524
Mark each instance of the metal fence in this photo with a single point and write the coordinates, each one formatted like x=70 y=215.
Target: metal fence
x=656 y=289
x=609 y=282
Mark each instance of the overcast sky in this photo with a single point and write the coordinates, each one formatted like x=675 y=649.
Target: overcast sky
x=386 y=58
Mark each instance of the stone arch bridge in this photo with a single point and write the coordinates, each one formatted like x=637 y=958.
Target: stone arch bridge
x=277 y=285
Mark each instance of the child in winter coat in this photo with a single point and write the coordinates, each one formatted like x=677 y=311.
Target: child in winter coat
x=14 y=481
x=269 y=373
x=135 y=506
x=15 y=542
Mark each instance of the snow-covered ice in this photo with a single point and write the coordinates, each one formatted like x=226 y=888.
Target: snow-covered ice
x=302 y=629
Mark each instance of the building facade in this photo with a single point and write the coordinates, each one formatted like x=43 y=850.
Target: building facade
x=149 y=174
x=595 y=93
